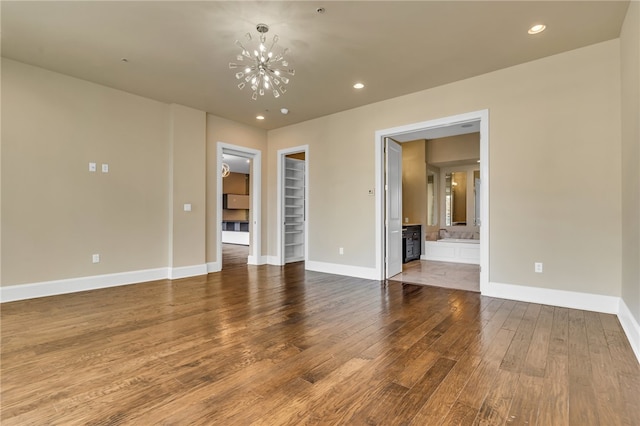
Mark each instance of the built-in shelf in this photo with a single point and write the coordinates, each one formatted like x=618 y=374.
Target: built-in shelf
x=294 y=202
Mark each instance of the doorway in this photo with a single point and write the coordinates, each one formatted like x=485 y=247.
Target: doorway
x=443 y=127
x=253 y=222
x=292 y=205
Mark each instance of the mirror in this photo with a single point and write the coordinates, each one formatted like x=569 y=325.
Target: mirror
x=455 y=198
x=432 y=198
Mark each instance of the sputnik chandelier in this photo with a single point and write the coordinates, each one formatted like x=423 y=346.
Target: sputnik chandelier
x=263 y=69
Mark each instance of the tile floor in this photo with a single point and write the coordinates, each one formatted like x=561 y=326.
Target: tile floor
x=459 y=276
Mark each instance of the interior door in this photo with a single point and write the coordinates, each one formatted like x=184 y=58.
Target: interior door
x=393 y=211
x=294 y=203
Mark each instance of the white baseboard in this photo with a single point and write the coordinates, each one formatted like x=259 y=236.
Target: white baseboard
x=547 y=296
x=213 y=267
x=631 y=327
x=235 y=237
x=256 y=260
x=73 y=285
x=338 y=269
x=187 y=271
x=273 y=260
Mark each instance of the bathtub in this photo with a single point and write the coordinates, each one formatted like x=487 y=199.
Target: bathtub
x=456 y=240
x=452 y=250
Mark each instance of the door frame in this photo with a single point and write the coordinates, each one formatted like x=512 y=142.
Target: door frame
x=255 y=221
x=380 y=231
x=280 y=257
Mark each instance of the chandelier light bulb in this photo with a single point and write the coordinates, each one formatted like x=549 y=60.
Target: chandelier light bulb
x=265 y=67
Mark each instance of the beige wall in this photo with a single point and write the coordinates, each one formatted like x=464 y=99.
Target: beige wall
x=187 y=178
x=558 y=127
x=630 y=72
x=341 y=171
x=227 y=131
x=453 y=148
x=414 y=183
x=55 y=213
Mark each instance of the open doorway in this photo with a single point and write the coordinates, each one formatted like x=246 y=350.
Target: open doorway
x=293 y=206
x=236 y=212
x=239 y=210
x=440 y=128
x=440 y=211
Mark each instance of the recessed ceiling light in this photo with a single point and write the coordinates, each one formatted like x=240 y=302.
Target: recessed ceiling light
x=358 y=86
x=124 y=60
x=260 y=117
x=248 y=161
x=536 y=29
x=284 y=111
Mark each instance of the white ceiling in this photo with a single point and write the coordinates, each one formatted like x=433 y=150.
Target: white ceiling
x=179 y=51
x=237 y=164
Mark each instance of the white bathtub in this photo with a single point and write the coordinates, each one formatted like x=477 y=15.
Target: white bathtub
x=456 y=240
x=452 y=250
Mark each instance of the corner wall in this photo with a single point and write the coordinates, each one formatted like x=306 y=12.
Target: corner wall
x=554 y=150
x=187 y=183
x=55 y=212
x=630 y=89
x=227 y=131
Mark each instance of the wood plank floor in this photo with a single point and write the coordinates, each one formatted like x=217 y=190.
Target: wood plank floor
x=267 y=345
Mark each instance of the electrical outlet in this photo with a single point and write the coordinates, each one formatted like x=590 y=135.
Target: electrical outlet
x=537 y=267
x=105 y=168
x=341 y=250
x=96 y=258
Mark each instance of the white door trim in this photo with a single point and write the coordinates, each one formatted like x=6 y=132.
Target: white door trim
x=380 y=135
x=280 y=258
x=255 y=256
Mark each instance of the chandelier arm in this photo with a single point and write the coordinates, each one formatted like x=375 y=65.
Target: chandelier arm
x=264 y=67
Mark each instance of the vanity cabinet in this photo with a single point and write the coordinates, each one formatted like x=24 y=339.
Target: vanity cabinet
x=411 y=242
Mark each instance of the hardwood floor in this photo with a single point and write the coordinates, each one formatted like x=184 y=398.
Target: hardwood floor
x=282 y=346
x=234 y=256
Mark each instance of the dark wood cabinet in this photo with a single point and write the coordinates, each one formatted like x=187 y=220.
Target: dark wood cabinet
x=411 y=242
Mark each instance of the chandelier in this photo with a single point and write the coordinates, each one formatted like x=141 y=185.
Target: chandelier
x=264 y=68
x=225 y=170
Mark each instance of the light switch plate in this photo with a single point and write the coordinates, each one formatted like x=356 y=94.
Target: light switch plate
x=105 y=168
x=187 y=207
x=92 y=167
